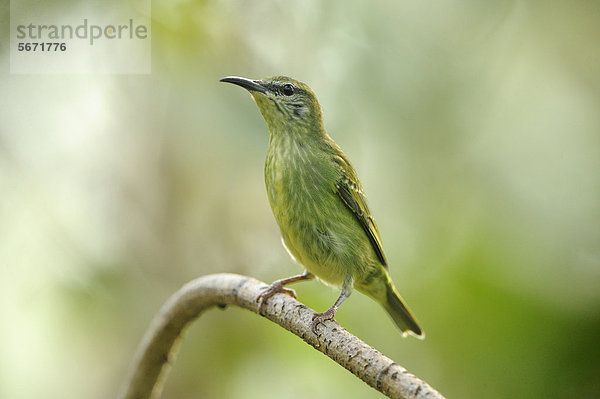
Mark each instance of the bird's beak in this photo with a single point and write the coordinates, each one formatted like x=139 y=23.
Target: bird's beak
x=251 y=85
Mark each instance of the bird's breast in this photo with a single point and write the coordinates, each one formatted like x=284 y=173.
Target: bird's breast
x=312 y=219
x=296 y=183
x=317 y=227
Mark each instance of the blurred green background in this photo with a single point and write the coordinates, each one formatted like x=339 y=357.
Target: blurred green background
x=475 y=128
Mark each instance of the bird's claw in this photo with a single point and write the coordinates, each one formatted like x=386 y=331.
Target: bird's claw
x=320 y=318
x=271 y=290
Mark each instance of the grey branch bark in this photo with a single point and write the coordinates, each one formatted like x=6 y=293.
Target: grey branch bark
x=158 y=348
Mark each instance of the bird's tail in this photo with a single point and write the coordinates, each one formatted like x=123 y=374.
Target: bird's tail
x=402 y=316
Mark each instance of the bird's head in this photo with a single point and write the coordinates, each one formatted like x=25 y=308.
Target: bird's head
x=285 y=103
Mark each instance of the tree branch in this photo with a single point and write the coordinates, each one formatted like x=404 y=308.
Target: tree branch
x=158 y=348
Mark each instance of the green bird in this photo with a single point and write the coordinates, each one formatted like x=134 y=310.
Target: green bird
x=319 y=204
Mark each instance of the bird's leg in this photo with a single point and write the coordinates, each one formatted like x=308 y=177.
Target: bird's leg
x=278 y=286
x=329 y=314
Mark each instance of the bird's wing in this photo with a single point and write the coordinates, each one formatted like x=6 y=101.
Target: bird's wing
x=349 y=190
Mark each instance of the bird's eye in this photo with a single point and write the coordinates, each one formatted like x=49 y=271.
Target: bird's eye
x=288 y=89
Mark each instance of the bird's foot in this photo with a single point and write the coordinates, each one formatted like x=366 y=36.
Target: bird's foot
x=275 y=288
x=320 y=318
